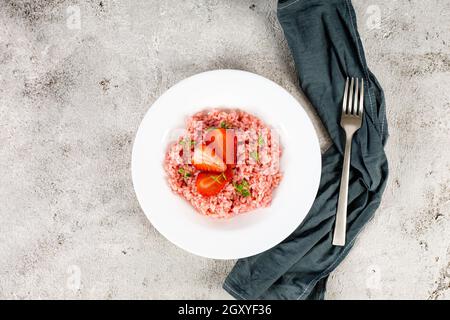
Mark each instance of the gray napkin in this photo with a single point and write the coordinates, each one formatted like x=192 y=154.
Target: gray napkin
x=325 y=44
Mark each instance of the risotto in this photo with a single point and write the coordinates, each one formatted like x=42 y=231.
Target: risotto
x=225 y=163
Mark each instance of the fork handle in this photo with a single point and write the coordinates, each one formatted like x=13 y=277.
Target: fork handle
x=341 y=214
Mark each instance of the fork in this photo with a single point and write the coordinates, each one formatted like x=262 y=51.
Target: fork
x=351 y=120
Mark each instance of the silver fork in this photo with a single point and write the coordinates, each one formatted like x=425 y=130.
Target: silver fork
x=351 y=120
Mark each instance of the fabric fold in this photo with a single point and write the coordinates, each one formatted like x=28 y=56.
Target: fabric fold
x=326 y=47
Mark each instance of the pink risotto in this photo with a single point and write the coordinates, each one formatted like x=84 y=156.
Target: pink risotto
x=237 y=175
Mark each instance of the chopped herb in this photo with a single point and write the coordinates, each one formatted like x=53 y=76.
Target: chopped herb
x=254 y=155
x=261 y=141
x=187 y=141
x=242 y=188
x=224 y=125
x=184 y=173
x=217 y=178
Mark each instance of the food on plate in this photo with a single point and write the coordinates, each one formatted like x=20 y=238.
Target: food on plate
x=225 y=163
x=206 y=159
x=225 y=142
x=211 y=183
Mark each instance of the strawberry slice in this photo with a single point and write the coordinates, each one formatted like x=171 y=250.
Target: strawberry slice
x=224 y=143
x=211 y=183
x=205 y=159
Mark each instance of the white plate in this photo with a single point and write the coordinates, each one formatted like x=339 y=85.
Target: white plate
x=246 y=234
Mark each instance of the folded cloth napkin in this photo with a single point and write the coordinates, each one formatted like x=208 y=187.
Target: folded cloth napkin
x=325 y=44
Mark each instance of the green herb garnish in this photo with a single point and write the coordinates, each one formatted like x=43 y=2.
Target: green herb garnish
x=184 y=173
x=254 y=155
x=187 y=141
x=261 y=141
x=224 y=125
x=242 y=188
x=217 y=178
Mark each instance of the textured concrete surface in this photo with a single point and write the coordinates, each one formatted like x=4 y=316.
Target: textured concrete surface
x=78 y=76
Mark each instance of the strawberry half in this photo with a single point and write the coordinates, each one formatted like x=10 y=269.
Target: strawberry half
x=211 y=183
x=224 y=142
x=205 y=159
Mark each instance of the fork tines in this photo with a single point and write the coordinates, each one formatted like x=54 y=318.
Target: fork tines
x=354 y=97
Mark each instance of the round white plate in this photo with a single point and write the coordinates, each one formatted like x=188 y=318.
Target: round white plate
x=243 y=235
